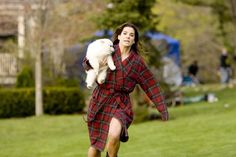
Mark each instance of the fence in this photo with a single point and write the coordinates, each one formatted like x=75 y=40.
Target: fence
x=8 y=69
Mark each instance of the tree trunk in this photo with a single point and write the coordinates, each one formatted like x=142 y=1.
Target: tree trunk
x=38 y=84
x=38 y=59
x=233 y=8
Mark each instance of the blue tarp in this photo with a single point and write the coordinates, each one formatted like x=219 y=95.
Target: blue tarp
x=173 y=45
x=103 y=33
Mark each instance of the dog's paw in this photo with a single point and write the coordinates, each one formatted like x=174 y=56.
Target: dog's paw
x=101 y=81
x=113 y=67
x=89 y=86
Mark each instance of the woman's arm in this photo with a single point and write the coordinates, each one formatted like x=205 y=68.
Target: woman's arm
x=152 y=88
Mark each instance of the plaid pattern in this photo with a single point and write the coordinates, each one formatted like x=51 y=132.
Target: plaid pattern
x=111 y=99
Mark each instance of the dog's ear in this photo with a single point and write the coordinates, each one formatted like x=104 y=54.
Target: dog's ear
x=102 y=41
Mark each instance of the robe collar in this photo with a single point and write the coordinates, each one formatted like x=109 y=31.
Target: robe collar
x=123 y=66
x=119 y=59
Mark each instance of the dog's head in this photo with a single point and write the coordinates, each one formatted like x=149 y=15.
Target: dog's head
x=107 y=46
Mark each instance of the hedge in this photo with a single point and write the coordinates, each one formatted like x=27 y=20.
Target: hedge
x=21 y=102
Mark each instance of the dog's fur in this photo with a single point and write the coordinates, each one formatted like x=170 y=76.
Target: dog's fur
x=97 y=52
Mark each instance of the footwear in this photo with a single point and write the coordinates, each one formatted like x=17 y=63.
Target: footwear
x=124 y=137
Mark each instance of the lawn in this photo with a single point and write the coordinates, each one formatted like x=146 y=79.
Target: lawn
x=195 y=130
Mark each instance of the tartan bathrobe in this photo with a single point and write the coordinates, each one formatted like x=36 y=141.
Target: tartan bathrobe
x=111 y=99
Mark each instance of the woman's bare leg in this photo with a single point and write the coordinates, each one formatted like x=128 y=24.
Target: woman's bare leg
x=92 y=152
x=113 y=144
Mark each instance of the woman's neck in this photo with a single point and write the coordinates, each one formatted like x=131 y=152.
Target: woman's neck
x=124 y=49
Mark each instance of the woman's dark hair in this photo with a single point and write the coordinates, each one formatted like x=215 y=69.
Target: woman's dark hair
x=118 y=31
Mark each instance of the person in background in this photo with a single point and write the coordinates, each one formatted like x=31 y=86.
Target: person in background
x=225 y=68
x=110 y=111
x=192 y=71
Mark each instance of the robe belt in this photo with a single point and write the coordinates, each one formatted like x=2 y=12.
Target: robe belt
x=118 y=101
x=117 y=90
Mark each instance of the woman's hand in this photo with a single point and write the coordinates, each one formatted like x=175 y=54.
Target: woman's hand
x=165 y=116
x=103 y=62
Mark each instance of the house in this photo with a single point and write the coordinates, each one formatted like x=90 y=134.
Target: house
x=12 y=27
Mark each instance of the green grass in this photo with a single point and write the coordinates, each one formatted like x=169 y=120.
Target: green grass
x=55 y=136
x=197 y=130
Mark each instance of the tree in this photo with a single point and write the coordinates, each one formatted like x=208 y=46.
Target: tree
x=211 y=27
x=38 y=29
x=233 y=11
x=223 y=9
x=136 y=11
x=233 y=8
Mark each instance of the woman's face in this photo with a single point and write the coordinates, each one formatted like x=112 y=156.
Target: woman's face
x=127 y=36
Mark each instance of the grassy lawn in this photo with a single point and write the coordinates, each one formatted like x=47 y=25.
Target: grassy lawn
x=195 y=130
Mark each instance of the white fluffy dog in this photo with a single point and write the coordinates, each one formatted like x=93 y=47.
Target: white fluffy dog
x=97 y=52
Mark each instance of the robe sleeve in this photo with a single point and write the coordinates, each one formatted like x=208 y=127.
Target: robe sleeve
x=152 y=88
x=86 y=65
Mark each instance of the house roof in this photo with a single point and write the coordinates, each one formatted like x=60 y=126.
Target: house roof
x=8 y=26
x=9 y=11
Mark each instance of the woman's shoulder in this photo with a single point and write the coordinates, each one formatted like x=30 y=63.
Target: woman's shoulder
x=138 y=58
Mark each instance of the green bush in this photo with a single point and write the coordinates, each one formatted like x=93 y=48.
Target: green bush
x=66 y=82
x=25 y=78
x=21 y=102
x=63 y=100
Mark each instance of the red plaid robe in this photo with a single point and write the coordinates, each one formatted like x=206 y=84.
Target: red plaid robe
x=111 y=99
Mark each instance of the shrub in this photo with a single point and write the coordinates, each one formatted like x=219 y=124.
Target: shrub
x=16 y=102
x=66 y=82
x=25 y=78
x=63 y=100
x=21 y=102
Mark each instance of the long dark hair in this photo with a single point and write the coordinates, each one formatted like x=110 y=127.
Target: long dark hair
x=135 y=46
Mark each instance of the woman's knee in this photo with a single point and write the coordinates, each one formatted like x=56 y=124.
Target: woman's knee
x=93 y=152
x=113 y=137
x=114 y=129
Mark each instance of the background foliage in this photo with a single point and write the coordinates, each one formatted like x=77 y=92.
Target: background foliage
x=20 y=102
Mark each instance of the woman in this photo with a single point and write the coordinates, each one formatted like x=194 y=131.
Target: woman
x=110 y=111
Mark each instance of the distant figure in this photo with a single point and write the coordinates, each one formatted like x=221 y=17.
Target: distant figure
x=225 y=69
x=193 y=70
